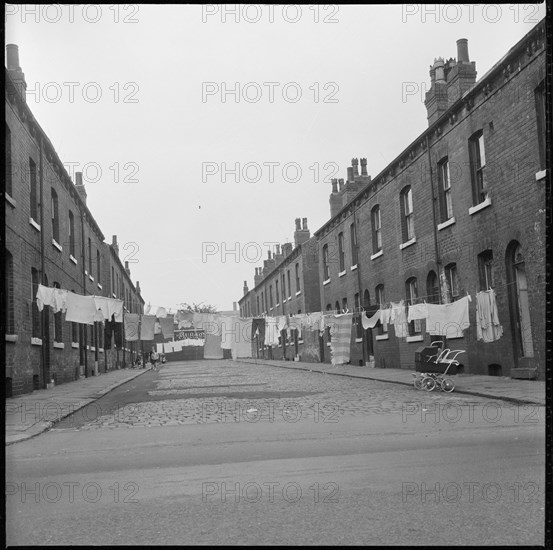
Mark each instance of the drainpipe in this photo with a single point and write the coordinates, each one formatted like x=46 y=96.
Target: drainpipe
x=45 y=373
x=359 y=283
x=435 y=227
x=84 y=329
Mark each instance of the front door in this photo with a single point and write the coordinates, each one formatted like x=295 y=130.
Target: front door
x=524 y=328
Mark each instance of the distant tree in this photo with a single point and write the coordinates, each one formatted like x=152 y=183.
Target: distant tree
x=198 y=308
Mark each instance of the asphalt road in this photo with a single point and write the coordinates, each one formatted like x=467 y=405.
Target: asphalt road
x=215 y=452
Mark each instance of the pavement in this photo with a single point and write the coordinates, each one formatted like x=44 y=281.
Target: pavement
x=31 y=414
x=531 y=392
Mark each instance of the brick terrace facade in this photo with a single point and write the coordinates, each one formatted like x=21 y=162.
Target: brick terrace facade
x=53 y=239
x=462 y=209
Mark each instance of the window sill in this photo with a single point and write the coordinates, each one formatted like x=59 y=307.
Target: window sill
x=473 y=209
x=381 y=337
x=10 y=200
x=34 y=224
x=11 y=338
x=100 y=350
x=73 y=259
x=99 y=286
x=377 y=254
x=408 y=243
x=539 y=175
x=353 y=267
x=447 y=223
x=458 y=337
x=300 y=341
x=328 y=343
x=342 y=273
x=113 y=294
x=278 y=305
x=415 y=338
x=91 y=278
x=57 y=245
x=298 y=292
x=36 y=342
x=75 y=345
x=59 y=345
x=357 y=340
x=326 y=282
x=92 y=348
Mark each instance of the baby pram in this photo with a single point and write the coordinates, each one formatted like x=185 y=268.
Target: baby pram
x=434 y=371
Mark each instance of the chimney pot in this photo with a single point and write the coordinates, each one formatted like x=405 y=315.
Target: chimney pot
x=13 y=57
x=78 y=178
x=114 y=239
x=364 y=167
x=463 y=50
x=334 y=182
x=269 y=254
x=298 y=224
x=304 y=223
x=355 y=166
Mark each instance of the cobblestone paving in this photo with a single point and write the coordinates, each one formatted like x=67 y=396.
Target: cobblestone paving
x=223 y=391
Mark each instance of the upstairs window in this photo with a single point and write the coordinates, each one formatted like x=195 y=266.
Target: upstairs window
x=270 y=295
x=298 y=286
x=90 y=256
x=444 y=182
x=35 y=314
x=9 y=172
x=485 y=264
x=8 y=289
x=34 y=190
x=98 y=267
x=353 y=241
x=477 y=165
x=58 y=327
x=341 y=255
x=71 y=234
x=326 y=272
x=452 y=281
x=432 y=288
x=376 y=229
x=55 y=217
x=277 y=293
x=283 y=287
x=406 y=202
x=539 y=95
x=289 y=286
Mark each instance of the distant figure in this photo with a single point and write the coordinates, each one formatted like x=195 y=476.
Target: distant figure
x=154 y=357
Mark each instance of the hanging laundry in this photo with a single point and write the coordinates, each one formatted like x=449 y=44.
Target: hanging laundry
x=271 y=331
x=117 y=333
x=109 y=307
x=167 y=326
x=258 y=324
x=161 y=313
x=147 y=309
x=59 y=300
x=399 y=319
x=159 y=348
x=131 y=322
x=212 y=324
x=372 y=322
x=340 y=332
x=311 y=345
x=212 y=348
x=314 y=321
x=241 y=345
x=488 y=327
x=80 y=309
x=417 y=311
x=229 y=330
x=385 y=316
x=157 y=327
x=147 y=323
x=44 y=296
x=282 y=322
x=448 y=320
x=177 y=346
x=169 y=346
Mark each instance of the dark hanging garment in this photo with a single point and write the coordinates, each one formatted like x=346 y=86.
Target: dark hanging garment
x=258 y=324
x=108 y=331
x=118 y=333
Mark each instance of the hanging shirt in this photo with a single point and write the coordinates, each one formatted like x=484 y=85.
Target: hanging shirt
x=44 y=296
x=448 y=319
x=161 y=313
x=147 y=323
x=399 y=319
x=488 y=328
x=80 y=309
x=340 y=332
x=372 y=322
x=167 y=326
x=109 y=307
x=131 y=322
x=417 y=311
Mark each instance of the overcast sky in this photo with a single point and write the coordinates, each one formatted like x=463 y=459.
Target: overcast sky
x=148 y=121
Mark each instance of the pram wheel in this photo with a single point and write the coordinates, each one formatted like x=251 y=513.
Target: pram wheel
x=448 y=385
x=428 y=383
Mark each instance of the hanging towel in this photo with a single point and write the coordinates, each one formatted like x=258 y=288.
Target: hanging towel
x=212 y=348
x=177 y=346
x=169 y=346
x=271 y=331
x=80 y=309
x=488 y=327
x=159 y=348
x=59 y=302
x=229 y=330
x=147 y=323
x=372 y=322
x=167 y=326
x=44 y=296
x=399 y=319
x=340 y=332
x=241 y=346
x=161 y=313
x=417 y=311
x=448 y=319
x=131 y=326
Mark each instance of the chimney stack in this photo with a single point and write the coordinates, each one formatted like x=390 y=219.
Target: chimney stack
x=463 y=50
x=286 y=249
x=257 y=277
x=114 y=244
x=246 y=289
x=335 y=200
x=364 y=167
x=334 y=182
x=436 y=101
x=16 y=74
x=355 y=166
x=301 y=235
x=138 y=287
x=127 y=270
x=80 y=186
x=269 y=253
x=234 y=306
